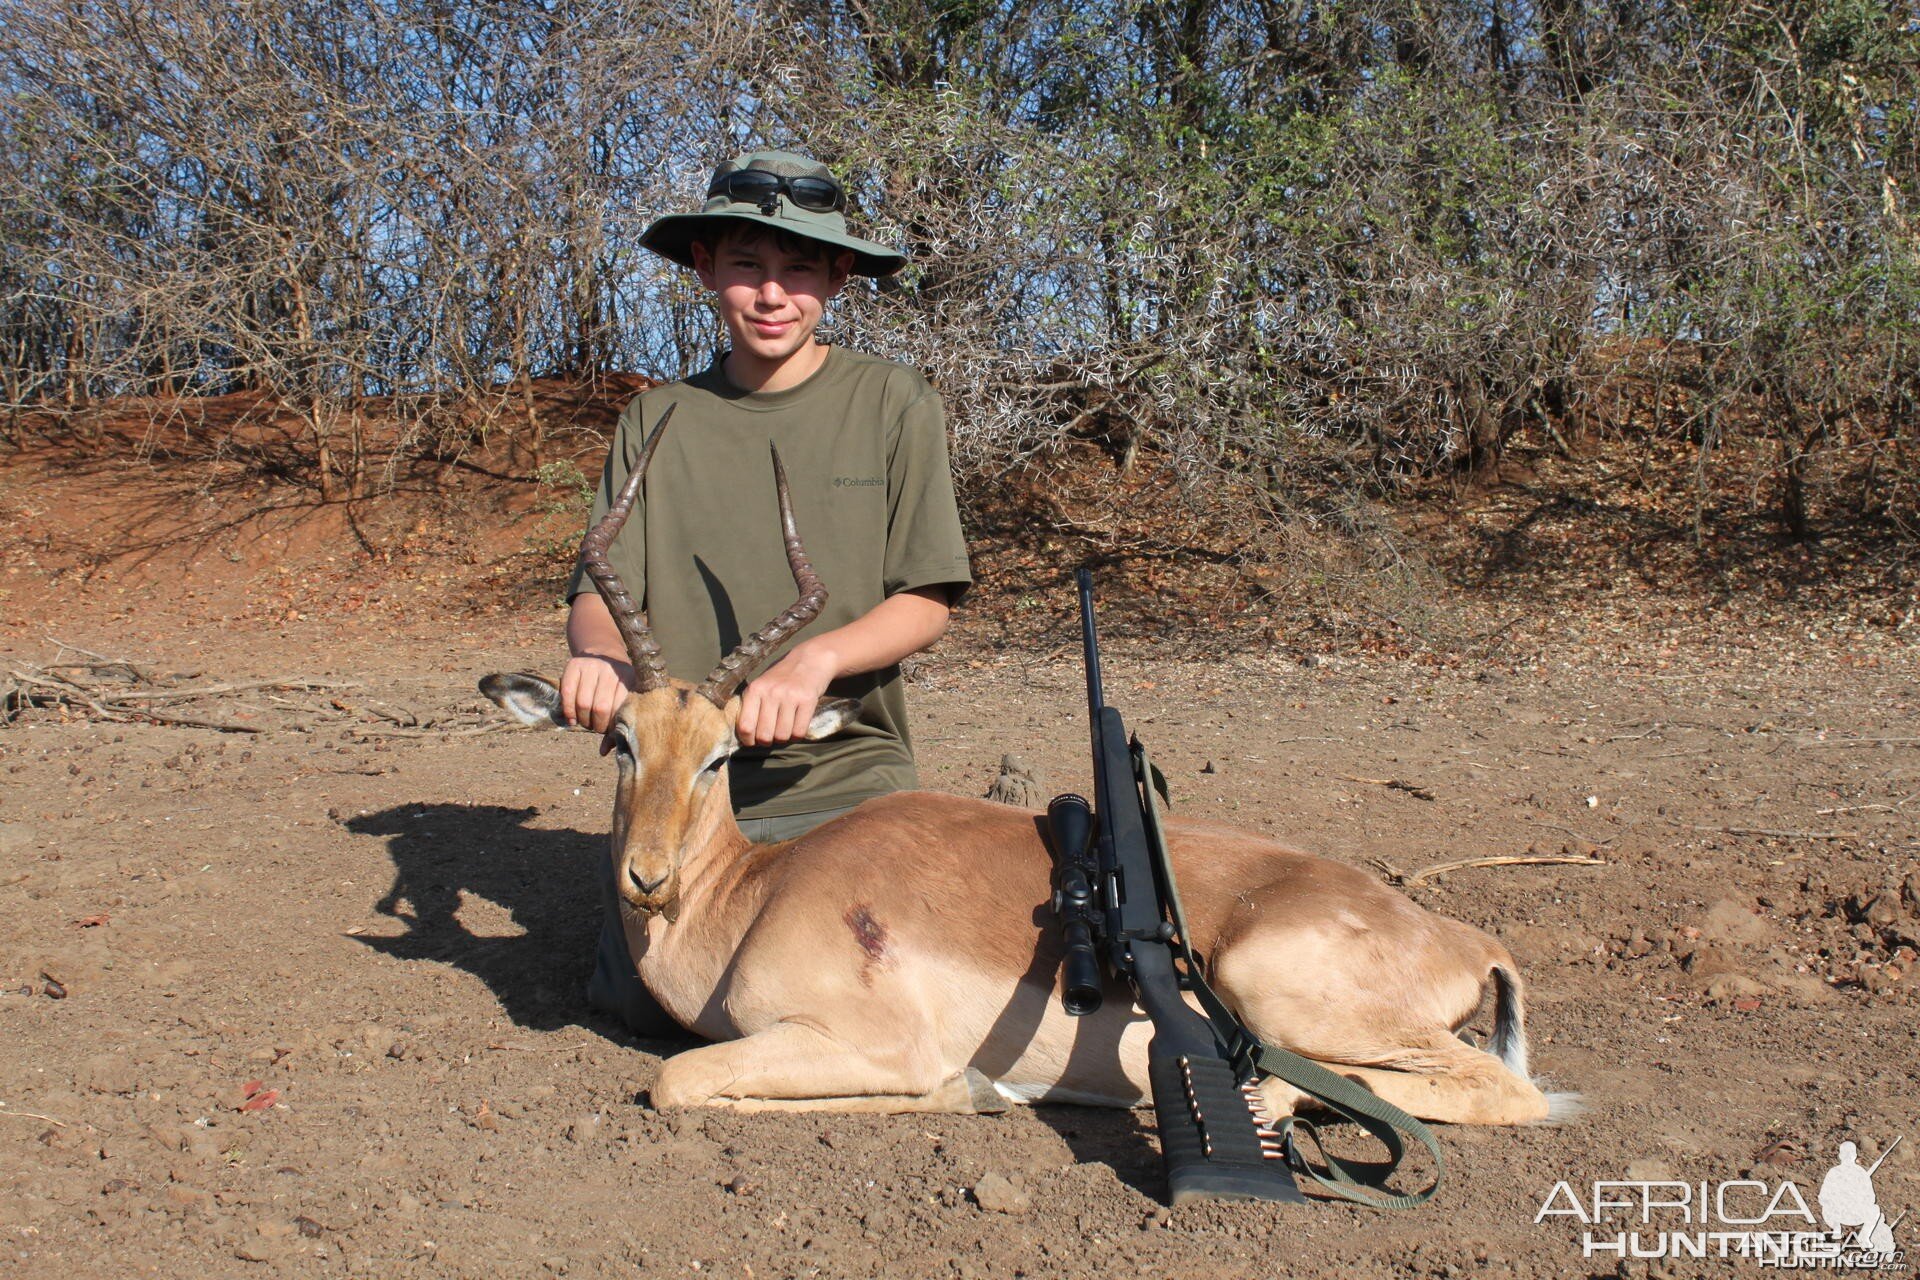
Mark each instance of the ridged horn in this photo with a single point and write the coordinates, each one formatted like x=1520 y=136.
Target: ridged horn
x=649 y=667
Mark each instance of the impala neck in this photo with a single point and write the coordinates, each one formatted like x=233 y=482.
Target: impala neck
x=715 y=860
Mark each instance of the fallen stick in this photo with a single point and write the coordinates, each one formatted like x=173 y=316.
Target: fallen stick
x=1397 y=876
x=405 y=718
x=1392 y=784
x=114 y=713
x=31 y=1115
x=134 y=715
x=100 y=658
x=1782 y=835
x=288 y=682
x=1856 y=742
x=462 y=731
x=1856 y=808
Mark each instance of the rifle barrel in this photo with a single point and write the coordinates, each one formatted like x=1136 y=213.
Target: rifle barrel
x=1090 y=643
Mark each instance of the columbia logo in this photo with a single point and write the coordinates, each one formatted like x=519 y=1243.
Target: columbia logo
x=859 y=482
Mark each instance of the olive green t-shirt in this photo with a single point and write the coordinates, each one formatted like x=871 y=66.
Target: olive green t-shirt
x=864 y=444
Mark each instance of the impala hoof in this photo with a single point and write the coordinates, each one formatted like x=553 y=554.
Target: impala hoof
x=984 y=1098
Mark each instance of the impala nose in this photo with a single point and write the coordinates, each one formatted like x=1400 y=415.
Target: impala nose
x=641 y=883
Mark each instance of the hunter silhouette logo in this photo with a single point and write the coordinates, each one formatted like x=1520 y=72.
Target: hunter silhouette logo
x=1768 y=1223
x=1848 y=1205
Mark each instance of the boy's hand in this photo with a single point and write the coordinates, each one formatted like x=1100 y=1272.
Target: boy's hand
x=778 y=704
x=592 y=688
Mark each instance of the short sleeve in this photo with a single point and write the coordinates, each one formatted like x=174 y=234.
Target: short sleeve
x=925 y=546
x=628 y=554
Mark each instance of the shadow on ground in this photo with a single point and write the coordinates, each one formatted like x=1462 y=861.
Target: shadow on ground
x=543 y=879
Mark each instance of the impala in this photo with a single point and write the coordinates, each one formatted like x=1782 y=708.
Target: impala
x=901 y=957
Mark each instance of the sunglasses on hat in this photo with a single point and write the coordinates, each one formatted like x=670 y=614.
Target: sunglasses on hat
x=757 y=186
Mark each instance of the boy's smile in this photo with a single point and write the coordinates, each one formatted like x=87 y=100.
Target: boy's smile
x=771 y=301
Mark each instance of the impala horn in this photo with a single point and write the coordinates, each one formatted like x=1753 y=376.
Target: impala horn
x=649 y=667
x=750 y=654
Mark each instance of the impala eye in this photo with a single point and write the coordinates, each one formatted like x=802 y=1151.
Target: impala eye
x=711 y=769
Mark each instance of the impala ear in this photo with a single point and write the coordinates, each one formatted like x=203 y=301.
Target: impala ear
x=830 y=716
x=530 y=699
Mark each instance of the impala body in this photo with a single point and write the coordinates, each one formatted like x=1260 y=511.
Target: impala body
x=903 y=957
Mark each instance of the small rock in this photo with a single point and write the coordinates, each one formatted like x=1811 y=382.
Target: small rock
x=1648 y=1170
x=998 y=1193
x=1733 y=986
x=1805 y=988
x=1017 y=785
x=1731 y=921
x=1883 y=908
x=181 y=1196
x=109 y=1073
x=1710 y=962
x=742 y=1185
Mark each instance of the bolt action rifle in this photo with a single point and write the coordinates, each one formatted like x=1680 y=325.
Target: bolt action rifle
x=1111 y=896
x=1116 y=901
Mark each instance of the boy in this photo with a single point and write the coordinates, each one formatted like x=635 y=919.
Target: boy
x=864 y=444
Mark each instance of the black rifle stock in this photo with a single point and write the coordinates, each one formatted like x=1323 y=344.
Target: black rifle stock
x=1114 y=901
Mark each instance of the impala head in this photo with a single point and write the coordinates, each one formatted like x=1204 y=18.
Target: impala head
x=672 y=739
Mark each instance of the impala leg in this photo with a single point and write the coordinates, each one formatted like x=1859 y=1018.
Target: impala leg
x=966 y=1093
x=793 y=1066
x=1453 y=1085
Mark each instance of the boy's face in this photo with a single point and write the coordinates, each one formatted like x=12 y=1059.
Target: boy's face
x=771 y=299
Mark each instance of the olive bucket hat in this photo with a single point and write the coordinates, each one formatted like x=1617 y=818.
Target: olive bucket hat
x=773 y=189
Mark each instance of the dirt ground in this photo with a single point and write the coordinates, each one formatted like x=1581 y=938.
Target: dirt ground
x=304 y=996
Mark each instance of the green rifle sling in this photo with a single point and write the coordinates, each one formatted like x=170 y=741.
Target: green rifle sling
x=1357 y=1180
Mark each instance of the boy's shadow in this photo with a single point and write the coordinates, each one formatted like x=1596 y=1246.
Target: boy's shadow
x=544 y=880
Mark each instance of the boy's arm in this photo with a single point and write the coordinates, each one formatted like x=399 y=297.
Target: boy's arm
x=779 y=702
x=598 y=675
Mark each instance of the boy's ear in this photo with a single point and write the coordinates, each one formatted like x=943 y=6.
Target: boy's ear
x=830 y=716
x=702 y=254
